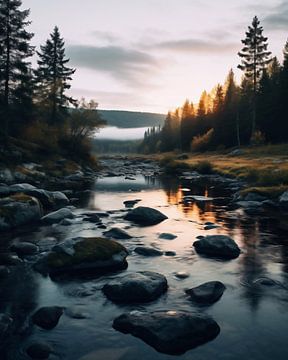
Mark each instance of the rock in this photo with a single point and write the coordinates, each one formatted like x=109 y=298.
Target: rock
x=182 y=157
x=76 y=312
x=9 y=259
x=131 y=203
x=249 y=204
x=117 y=233
x=169 y=332
x=283 y=200
x=18 y=188
x=4 y=190
x=84 y=255
x=39 y=351
x=253 y=196
x=145 y=216
x=6 y=176
x=182 y=275
x=220 y=246
x=92 y=217
x=57 y=216
x=147 y=251
x=17 y=210
x=207 y=293
x=236 y=152
x=197 y=198
x=24 y=248
x=167 y=236
x=170 y=253
x=47 y=317
x=140 y=287
x=5 y=326
x=211 y=227
x=59 y=199
x=4 y=271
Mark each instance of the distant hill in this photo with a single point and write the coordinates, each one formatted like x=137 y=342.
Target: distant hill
x=131 y=119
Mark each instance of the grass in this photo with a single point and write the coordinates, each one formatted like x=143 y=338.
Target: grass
x=262 y=167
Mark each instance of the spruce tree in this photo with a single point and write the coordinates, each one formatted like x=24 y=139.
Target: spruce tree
x=254 y=59
x=15 y=49
x=53 y=77
x=283 y=96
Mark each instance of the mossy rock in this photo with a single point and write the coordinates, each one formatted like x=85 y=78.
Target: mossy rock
x=21 y=197
x=88 y=254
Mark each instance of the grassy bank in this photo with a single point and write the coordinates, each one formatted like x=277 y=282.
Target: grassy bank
x=264 y=168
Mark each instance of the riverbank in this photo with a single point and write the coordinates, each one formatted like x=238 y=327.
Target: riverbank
x=263 y=168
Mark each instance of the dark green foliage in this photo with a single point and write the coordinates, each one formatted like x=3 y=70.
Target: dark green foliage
x=15 y=68
x=53 y=77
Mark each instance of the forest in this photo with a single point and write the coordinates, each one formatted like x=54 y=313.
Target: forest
x=34 y=105
x=254 y=112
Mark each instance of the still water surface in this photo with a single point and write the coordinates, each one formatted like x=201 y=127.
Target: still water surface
x=253 y=320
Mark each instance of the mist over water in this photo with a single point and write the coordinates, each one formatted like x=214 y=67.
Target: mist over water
x=115 y=133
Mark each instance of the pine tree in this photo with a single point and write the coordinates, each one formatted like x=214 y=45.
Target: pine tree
x=255 y=58
x=15 y=49
x=52 y=78
x=283 y=96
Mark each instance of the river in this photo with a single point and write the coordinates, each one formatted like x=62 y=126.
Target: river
x=253 y=320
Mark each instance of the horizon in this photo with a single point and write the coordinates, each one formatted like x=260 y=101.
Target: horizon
x=164 y=54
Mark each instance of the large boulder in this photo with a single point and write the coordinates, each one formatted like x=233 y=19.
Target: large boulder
x=47 y=317
x=140 y=287
x=169 y=332
x=145 y=216
x=207 y=293
x=220 y=246
x=57 y=216
x=18 y=209
x=84 y=255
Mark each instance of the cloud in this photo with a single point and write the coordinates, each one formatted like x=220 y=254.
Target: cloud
x=197 y=46
x=278 y=17
x=127 y=65
x=105 y=35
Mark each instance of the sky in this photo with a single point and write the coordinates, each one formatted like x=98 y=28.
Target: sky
x=151 y=55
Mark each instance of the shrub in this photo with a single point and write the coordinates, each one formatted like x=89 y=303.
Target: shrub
x=202 y=142
x=204 y=167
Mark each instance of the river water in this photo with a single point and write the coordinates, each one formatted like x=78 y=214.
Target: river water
x=253 y=318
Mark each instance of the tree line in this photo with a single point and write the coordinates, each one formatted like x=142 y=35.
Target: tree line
x=230 y=115
x=34 y=104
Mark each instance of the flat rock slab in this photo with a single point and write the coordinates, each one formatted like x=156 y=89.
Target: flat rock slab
x=170 y=332
x=145 y=216
x=47 y=317
x=219 y=246
x=207 y=293
x=139 y=287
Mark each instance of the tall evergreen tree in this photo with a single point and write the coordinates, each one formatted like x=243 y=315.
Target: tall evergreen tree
x=283 y=95
x=254 y=59
x=15 y=49
x=53 y=77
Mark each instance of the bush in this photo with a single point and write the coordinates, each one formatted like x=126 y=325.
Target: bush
x=202 y=142
x=204 y=167
x=43 y=135
x=257 y=138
